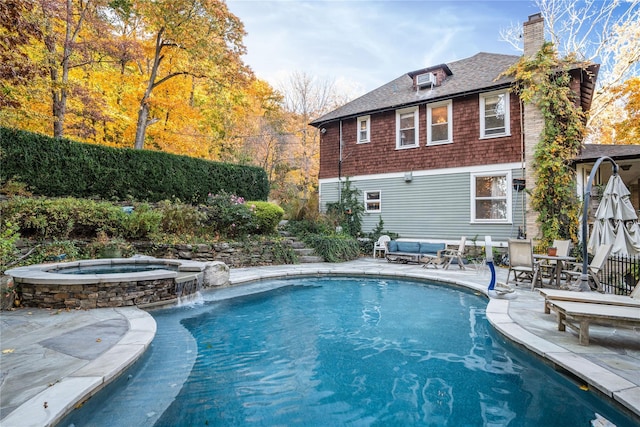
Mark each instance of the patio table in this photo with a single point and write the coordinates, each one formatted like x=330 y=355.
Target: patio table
x=560 y=260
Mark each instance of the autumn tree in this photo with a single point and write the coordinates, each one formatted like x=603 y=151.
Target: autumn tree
x=184 y=39
x=70 y=41
x=604 y=32
x=306 y=98
x=16 y=32
x=627 y=130
x=49 y=41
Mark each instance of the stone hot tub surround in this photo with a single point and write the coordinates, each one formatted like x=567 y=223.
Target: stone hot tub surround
x=48 y=286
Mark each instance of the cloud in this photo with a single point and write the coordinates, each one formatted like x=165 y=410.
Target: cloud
x=369 y=42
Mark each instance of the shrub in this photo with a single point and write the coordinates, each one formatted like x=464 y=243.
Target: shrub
x=334 y=248
x=60 y=167
x=104 y=246
x=8 y=237
x=179 y=218
x=228 y=215
x=63 y=218
x=142 y=222
x=57 y=250
x=267 y=216
x=304 y=227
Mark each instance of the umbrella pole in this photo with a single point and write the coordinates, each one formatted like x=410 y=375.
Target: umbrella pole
x=584 y=277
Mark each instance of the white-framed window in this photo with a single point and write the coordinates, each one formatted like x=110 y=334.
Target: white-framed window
x=494 y=114
x=491 y=197
x=440 y=123
x=373 y=201
x=364 y=126
x=407 y=128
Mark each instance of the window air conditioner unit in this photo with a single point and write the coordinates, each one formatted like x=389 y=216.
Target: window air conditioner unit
x=426 y=79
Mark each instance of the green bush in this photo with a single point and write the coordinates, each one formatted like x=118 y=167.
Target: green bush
x=305 y=227
x=62 y=218
x=8 y=237
x=57 y=250
x=142 y=222
x=104 y=246
x=60 y=167
x=268 y=216
x=334 y=248
x=229 y=216
x=180 y=219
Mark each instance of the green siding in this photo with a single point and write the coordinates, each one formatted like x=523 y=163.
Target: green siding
x=428 y=207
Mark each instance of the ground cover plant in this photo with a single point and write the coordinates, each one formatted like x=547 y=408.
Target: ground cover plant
x=84 y=228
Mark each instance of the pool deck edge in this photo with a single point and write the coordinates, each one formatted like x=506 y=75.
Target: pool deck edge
x=53 y=403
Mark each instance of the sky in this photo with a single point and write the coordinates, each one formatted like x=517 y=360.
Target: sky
x=362 y=44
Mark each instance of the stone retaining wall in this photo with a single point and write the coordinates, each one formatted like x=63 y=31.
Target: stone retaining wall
x=233 y=254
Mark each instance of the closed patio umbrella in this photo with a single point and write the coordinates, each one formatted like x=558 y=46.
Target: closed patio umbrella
x=616 y=221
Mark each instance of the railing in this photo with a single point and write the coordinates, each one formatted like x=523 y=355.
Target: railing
x=620 y=274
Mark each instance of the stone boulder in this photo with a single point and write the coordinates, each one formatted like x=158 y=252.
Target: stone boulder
x=216 y=274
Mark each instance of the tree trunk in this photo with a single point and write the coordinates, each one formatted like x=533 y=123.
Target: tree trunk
x=141 y=127
x=143 y=112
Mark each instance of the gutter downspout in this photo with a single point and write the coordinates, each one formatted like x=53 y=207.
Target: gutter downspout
x=340 y=165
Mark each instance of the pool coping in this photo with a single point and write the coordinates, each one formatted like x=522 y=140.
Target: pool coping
x=50 y=406
x=63 y=396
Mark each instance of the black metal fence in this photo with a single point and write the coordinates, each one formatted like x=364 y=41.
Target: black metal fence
x=620 y=275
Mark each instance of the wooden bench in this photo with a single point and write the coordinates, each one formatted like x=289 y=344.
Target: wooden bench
x=590 y=297
x=579 y=315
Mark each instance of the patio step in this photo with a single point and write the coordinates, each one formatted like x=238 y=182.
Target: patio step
x=310 y=259
x=304 y=251
x=304 y=254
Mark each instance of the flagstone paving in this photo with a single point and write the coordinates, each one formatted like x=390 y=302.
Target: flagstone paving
x=53 y=359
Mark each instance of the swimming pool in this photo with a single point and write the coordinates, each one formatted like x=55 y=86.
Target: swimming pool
x=336 y=351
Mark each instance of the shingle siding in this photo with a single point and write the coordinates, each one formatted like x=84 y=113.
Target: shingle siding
x=380 y=154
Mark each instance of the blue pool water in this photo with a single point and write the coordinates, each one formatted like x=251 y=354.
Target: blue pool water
x=336 y=351
x=112 y=269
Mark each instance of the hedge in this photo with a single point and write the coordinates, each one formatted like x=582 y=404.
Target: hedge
x=60 y=167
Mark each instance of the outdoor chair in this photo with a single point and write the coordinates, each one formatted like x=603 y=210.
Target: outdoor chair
x=593 y=269
x=455 y=254
x=548 y=269
x=381 y=245
x=522 y=263
x=433 y=260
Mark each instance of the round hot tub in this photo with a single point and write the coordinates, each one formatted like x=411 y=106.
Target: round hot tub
x=110 y=282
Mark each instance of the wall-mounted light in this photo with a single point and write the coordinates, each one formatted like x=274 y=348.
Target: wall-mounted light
x=625 y=167
x=408 y=176
x=323 y=131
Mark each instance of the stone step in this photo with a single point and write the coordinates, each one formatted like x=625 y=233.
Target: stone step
x=309 y=259
x=296 y=245
x=303 y=251
x=284 y=233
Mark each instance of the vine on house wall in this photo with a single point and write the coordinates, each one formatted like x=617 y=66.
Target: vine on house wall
x=544 y=80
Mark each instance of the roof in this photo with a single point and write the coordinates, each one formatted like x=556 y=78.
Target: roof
x=471 y=75
x=592 y=152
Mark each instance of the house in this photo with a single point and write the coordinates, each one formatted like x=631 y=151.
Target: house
x=443 y=151
x=627 y=157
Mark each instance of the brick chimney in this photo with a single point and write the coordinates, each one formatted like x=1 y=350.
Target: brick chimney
x=533 y=125
x=533 y=34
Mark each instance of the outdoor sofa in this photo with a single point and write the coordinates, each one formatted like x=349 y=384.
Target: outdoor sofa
x=400 y=251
